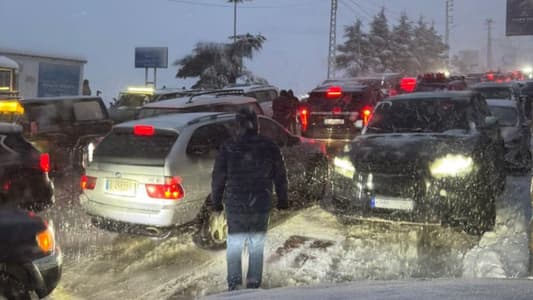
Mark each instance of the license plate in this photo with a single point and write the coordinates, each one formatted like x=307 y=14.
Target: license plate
x=392 y=203
x=334 y=121
x=120 y=187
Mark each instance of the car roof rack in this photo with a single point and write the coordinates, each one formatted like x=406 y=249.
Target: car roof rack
x=217 y=93
x=207 y=117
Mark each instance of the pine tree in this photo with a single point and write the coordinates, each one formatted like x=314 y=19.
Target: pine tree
x=355 y=50
x=403 y=61
x=379 y=38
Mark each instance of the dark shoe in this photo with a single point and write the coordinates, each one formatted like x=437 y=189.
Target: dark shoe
x=253 y=285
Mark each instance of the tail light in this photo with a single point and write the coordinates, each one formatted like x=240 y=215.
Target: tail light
x=366 y=112
x=44 y=162
x=408 y=84
x=6 y=186
x=87 y=182
x=334 y=92
x=46 y=240
x=336 y=110
x=304 y=118
x=172 y=189
x=143 y=130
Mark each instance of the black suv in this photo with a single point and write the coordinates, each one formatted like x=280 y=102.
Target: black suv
x=66 y=127
x=424 y=158
x=24 y=180
x=334 y=107
x=30 y=260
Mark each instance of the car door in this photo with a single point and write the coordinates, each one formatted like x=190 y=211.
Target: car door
x=201 y=152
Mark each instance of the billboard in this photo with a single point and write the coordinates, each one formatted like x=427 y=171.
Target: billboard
x=519 y=17
x=151 y=57
x=58 y=80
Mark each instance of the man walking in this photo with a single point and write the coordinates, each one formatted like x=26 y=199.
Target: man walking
x=244 y=171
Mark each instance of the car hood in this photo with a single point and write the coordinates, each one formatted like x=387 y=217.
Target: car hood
x=407 y=151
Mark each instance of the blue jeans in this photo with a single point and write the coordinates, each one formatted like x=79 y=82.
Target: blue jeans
x=247 y=229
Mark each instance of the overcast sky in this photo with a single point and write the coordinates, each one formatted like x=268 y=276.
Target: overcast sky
x=105 y=32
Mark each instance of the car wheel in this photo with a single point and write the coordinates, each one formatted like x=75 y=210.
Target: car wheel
x=212 y=232
x=12 y=288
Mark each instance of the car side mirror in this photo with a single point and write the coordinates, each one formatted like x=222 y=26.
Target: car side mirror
x=359 y=124
x=491 y=122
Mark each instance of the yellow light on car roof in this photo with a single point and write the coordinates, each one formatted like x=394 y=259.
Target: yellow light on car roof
x=11 y=106
x=4 y=88
x=141 y=89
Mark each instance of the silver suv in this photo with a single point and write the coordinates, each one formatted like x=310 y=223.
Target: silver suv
x=212 y=101
x=156 y=172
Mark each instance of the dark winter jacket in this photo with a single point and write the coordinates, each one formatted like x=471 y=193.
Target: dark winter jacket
x=284 y=109
x=244 y=171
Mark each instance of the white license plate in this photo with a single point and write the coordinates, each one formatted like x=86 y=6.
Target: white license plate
x=392 y=203
x=334 y=121
x=120 y=187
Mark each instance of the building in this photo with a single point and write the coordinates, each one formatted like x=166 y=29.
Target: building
x=43 y=75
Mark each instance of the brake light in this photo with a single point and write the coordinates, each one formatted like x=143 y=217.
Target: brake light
x=44 y=162
x=45 y=240
x=334 y=92
x=143 y=130
x=490 y=76
x=336 y=110
x=408 y=84
x=304 y=118
x=6 y=186
x=87 y=182
x=367 y=111
x=172 y=189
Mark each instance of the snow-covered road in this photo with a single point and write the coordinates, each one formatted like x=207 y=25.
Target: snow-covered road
x=307 y=247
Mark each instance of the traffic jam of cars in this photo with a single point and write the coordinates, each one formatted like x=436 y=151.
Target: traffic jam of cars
x=427 y=149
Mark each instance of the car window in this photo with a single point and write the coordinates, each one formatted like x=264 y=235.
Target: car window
x=133 y=149
x=17 y=143
x=348 y=101
x=495 y=92
x=507 y=116
x=88 y=111
x=207 y=139
x=273 y=131
x=420 y=116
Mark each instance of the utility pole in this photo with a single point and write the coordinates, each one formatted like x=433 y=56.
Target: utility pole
x=449 y=21
x=332 y=39
x=234 y=22
x=489 y=44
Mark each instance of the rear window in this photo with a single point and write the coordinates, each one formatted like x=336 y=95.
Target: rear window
x=495 y=92
x=88 y=111
x=507 y=116
x=49 y=116
x=124 y=147
x=353 y=101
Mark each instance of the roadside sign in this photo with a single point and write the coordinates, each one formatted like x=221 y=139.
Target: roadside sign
x=151 y=57
x=519 y=17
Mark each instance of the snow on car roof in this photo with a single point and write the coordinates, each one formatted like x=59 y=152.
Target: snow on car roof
x=183 y=102
x=451 y=95
x=494 y=84
x=61 y=98
x=9 y=128
x=174 y=122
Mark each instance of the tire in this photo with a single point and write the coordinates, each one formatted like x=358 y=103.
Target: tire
x=12 y=288
x=212 y=231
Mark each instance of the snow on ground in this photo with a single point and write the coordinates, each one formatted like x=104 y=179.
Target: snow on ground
x=304 y=248
x=504 y=252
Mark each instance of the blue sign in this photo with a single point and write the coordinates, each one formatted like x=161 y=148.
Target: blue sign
x=151 y=57
x=519 y=17
x=58 y=80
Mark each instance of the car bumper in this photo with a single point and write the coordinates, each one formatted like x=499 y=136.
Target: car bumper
x=405 y=198
x=46 y=272
x=160 y=216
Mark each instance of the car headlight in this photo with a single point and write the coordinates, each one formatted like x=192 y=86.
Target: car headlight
x=451 y=166
x=344 y=167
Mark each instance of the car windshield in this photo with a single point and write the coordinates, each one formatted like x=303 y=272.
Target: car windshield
x=507 y=116
x=421 y=115
x=133 y=100
x=495 y=92
x=266 y=149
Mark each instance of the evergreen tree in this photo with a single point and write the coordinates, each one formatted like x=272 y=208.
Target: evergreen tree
x=403 y=61
x=379 y=38
x=355 y=50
